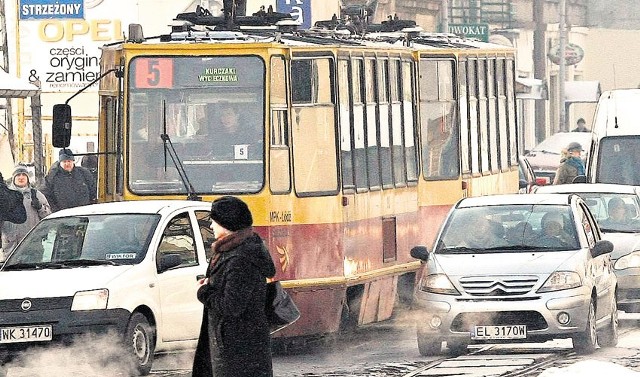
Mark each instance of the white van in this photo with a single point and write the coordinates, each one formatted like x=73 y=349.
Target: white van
x=615 y=149
x=126 y=267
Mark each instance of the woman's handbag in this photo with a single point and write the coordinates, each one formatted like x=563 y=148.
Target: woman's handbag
x=280 y=308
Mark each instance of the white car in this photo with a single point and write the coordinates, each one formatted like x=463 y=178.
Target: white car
x=128 y=267
x=624 y=234
x=516 y=268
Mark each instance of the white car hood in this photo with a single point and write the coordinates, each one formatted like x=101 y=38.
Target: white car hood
x=525 y=262
x=623 y=243
x=62 y=282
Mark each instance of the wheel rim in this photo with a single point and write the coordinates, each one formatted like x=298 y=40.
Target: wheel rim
x=141 y=344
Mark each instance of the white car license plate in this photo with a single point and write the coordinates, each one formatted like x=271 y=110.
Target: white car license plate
x=500 y=332
x=25 y=334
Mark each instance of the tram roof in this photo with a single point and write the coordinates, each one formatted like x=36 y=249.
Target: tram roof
x=272 y=27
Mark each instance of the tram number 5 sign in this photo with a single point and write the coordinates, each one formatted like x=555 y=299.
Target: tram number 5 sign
x=154 y=73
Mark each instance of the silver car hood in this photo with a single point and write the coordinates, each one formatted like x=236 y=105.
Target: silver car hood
x=525 y=262
x=623 y=243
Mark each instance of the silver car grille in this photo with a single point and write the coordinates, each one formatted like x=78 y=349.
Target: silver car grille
x=498 y=285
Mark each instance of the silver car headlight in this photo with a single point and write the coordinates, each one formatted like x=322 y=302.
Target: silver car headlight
x=438 y=283
x=630 y=260
x=90 y=300
x=560 y=280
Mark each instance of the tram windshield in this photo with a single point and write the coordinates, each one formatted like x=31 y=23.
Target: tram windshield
x=212 y=110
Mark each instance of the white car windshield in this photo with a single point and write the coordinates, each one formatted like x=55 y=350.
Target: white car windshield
x=85 y=241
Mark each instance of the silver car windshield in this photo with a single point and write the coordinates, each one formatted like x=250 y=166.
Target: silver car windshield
x=85 y=241
x=509 y=228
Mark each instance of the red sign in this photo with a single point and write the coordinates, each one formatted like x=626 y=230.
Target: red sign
x=154 y=73
x=573 y=54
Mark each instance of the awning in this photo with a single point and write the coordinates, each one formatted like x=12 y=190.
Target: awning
x=531 y=89
x=13 y=87
x=582 y=91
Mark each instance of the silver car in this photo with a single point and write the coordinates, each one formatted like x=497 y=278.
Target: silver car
x=617 y=211
x=516 y=268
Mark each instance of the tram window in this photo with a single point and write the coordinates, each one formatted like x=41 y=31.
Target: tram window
x=345 y=122
x=483 y=116
x=386 y=168
x=373 y=151
x=440 y=151
x=464 y=118
x=502 y=114
x=383 y=84
x=278 y=81
x=474 y=133
x=109 y=109
x=409 y=122
x=359 y=137
x=309 y=83
x=492 y=113
x=511 y=110
x=313 y=130
x=397 y=151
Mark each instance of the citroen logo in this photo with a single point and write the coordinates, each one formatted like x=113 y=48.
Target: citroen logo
x=26 y=305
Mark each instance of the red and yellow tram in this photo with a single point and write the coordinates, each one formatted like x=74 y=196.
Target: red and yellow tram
x=352 y=144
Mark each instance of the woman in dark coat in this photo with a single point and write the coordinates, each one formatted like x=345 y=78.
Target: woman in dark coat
x=234 y=336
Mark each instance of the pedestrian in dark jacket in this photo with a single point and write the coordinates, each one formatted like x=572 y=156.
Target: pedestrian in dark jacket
x=67 y=185
x=571 y=164
x=234 y=336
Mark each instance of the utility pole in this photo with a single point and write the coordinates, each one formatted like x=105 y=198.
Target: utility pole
x=540 y=67
x=444 y=14
x=4 y=51
x=562 y=123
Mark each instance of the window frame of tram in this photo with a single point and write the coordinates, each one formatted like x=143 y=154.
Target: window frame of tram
x=378 y=137
x=279 y=149
x=463 y=105
x=511 y=111
x=313 y=128
x=438 y=100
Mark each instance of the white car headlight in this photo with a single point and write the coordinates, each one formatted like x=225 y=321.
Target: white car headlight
x=560 y=280
x=628 y=261
x=438 y=283
x=90 y=300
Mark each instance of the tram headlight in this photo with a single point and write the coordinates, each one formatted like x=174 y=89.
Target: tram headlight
x=438 y=283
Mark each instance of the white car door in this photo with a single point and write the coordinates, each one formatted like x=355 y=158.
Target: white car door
x=181 y=312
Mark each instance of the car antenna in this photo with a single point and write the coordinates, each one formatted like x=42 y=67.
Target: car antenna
x=168 y=148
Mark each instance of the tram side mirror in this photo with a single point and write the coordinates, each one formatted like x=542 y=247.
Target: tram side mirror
x=61 y=129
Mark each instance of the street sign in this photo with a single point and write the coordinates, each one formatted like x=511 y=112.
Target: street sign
x=477 y=31
x=573 y=54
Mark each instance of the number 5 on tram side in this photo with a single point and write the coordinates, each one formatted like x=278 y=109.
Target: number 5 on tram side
x=349 y=150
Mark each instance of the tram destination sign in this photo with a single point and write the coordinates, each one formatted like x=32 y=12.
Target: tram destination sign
x=477 y=31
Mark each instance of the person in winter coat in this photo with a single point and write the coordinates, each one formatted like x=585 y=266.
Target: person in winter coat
x=571 y=165
x=234 y=336
x=67 y=185
x=35 y=203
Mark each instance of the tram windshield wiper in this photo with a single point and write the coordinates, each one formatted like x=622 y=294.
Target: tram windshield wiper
x=168 y=147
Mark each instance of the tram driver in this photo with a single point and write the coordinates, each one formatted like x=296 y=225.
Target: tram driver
x=230 y=138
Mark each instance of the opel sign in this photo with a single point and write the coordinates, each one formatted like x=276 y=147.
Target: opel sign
x=573 y=54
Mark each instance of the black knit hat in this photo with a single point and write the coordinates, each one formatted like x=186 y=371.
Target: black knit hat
x=231 y=213
x=65 y=155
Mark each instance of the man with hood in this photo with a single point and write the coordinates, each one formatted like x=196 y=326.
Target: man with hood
x=35 y=204
x=571 y=164
x=67 y=185
x=234 y=336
